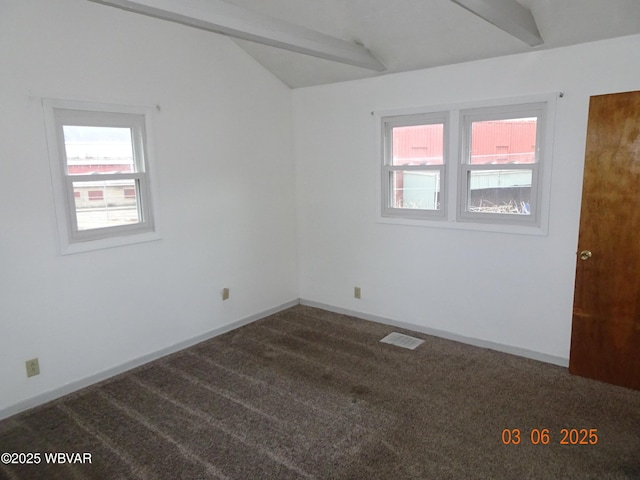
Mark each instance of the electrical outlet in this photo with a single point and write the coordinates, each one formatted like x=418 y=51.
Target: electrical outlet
x=33 y=367
x=225 y=294
x=356 y=292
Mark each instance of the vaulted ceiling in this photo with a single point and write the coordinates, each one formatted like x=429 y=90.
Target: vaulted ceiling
x=403 y=35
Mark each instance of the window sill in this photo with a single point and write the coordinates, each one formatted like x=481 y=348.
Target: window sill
x=444 y=223
x=111 y=242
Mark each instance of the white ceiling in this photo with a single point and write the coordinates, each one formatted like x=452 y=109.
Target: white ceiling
x=413 y=34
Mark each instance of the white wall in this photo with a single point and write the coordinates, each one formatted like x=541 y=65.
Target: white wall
x=225 y=175
x=513 y=290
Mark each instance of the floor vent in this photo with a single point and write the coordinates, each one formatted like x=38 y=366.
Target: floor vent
x=404 y=341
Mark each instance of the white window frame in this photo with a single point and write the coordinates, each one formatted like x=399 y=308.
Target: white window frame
x=388 y=124
x=505 y=112
x=59 y=113
x=535 y=224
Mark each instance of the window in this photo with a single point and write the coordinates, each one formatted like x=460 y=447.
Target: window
x=414 y=165
x=501 y=158
x=93 y=195
x=479 y=167
x=100 y=160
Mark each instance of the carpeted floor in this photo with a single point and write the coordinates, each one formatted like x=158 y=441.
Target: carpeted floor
x=311 y=394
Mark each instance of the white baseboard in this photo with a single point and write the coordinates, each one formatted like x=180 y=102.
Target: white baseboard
x=111 y=372
x=521 y=352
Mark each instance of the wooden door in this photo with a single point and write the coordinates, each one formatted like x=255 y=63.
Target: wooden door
x=605 y=337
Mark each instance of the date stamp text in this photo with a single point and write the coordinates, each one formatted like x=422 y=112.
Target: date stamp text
x=544 y=436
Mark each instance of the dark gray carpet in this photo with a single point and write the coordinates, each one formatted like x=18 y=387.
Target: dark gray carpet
x=312 y=394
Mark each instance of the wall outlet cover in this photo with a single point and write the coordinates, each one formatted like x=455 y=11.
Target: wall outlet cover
x=33 y=367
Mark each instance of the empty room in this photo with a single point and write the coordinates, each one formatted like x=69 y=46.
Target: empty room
x=291 y=239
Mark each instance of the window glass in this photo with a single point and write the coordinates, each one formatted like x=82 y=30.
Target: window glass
x=503 y=141
x=500 y=191
x=418 y=145
x=416 y=189
x=92 y=150
x=106 y=203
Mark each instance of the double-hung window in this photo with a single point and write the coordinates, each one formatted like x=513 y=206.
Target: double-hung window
x=501 y=156
x=100 y=170
x=414 y=165
x=473 y=166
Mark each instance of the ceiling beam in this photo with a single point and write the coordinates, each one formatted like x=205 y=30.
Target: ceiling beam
x=220 y=17
x=508 y=15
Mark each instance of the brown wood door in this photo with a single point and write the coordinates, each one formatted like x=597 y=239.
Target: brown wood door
x=605 y=336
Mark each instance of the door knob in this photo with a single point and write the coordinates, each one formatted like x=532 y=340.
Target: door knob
x=585 y=255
